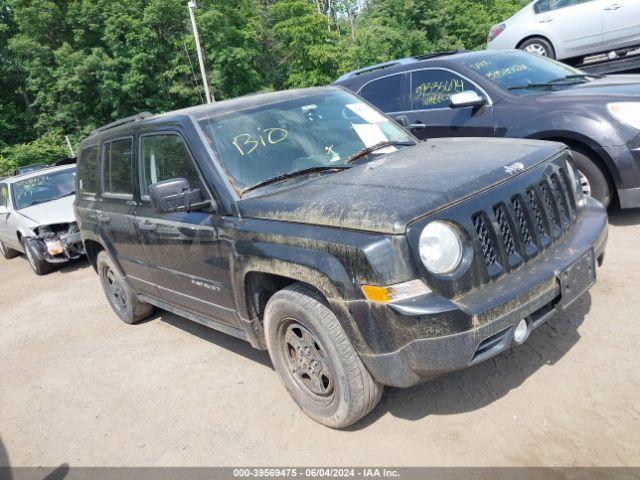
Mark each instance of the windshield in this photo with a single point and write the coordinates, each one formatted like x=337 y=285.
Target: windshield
x=312 y=132
x=518 y=69
x=43 y=188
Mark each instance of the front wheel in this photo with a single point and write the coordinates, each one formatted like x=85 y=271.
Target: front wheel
x=315 y=359
x=40 y=267
x=121 y=296
x=593 y=179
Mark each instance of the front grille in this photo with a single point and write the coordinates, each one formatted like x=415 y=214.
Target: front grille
x=516 y=230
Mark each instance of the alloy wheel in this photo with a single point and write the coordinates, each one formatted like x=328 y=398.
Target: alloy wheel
x=2 y=250
x=536 y=49
x=306 y=360
x=30 y=257
x=584 y=184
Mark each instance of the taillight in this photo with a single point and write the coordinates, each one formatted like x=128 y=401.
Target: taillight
x=497 y=30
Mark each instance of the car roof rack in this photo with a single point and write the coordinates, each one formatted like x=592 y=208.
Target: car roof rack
x=427 y=56
x=123 y=121
x=400 y=61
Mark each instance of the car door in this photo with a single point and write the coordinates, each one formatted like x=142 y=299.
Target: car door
x=575 y=26
x=182 y=248
x=621 y=19
x=114 y=211
x=430 y=114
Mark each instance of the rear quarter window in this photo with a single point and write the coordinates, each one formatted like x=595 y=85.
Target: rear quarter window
x=88 y=170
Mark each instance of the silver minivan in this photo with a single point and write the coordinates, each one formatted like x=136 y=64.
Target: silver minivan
x=564 y=29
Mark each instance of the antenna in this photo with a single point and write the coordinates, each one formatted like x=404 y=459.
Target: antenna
x=196 y=37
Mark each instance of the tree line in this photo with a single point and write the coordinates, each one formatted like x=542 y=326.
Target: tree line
x=68 y=66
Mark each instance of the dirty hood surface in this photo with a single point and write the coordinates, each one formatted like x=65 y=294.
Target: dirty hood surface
x=56 y=211
x=386 y=194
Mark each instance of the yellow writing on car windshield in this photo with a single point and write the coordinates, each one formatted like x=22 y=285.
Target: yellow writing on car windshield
x=247 y=143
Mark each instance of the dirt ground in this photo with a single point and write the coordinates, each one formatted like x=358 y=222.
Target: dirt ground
x=77 y=386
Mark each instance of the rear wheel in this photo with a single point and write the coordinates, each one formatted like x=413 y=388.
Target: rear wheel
x=6 y=252
x=538 y=46
x=593 y=179
x=119 y=293
x=40 y=267
x=315 y=359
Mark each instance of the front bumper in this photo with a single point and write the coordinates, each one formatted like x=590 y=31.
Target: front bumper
x=627 y=175
x=430 y=335
x=73 y=248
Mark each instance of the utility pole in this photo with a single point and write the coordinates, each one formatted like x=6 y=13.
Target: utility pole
x=203 y=72
x=66 y=137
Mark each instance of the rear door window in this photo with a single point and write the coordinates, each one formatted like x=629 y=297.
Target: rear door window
x=166 y=156
x=116 y=167
x=4 y=195
x=548 y=5
x=433 y=88
x=389 y=94
x=88 y=170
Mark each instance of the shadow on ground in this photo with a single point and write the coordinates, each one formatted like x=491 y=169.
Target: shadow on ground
x=625 y=218
x=220 y=339
x=457 y=392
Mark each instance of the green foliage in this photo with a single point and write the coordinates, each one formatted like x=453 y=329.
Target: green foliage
x=72 y=65
x=48 y=148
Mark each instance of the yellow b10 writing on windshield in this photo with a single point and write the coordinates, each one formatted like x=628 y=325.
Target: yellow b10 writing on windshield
x=246 y=143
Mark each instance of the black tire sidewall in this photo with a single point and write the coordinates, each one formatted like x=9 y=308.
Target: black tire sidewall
x=102 y=263
x=600 y=188
x=281 y=309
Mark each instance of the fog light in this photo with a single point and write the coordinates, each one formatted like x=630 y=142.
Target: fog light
x=521 y=331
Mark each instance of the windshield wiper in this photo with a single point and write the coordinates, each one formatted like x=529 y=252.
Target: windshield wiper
x=377 y=146
x=297 y=173
x=557 y=82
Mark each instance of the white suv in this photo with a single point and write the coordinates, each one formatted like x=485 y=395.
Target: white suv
x=564 y=29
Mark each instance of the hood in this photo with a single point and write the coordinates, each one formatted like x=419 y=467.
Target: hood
x=387 y=194
x=50 y=213
x=609 y=88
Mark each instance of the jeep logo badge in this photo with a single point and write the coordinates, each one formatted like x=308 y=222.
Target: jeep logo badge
x=514 y=168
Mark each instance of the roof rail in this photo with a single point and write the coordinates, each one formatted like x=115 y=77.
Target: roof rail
x=123 y=121
x=377 y=66
x=427 y=56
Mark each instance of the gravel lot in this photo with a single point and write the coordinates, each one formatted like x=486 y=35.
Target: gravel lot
x=77 y=386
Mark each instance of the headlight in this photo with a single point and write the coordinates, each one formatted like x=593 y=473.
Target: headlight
x=440 y=247
x=626 y=112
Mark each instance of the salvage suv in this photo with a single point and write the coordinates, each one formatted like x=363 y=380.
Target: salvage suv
x=310 y=224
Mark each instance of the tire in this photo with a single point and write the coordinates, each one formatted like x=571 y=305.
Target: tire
x=6 y=252
x=305 y=338
x=40 y=267
x=538 y=46
x=121 y=296
x=593 y=179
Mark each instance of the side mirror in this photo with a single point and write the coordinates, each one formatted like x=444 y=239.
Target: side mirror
x=468 y=98
x=403 y=121
x=176 y=195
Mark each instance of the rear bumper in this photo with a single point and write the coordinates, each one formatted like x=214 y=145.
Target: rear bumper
x=491 y=313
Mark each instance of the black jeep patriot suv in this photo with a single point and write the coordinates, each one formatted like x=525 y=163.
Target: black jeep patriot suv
x=311 y=225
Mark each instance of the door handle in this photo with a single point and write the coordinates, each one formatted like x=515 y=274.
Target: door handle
x=417 y=126
x=613 y=6
x=546 y=20
x=102 y=218
x=147 y=226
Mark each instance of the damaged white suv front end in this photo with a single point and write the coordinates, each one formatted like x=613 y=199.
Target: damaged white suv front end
x=37 y=218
